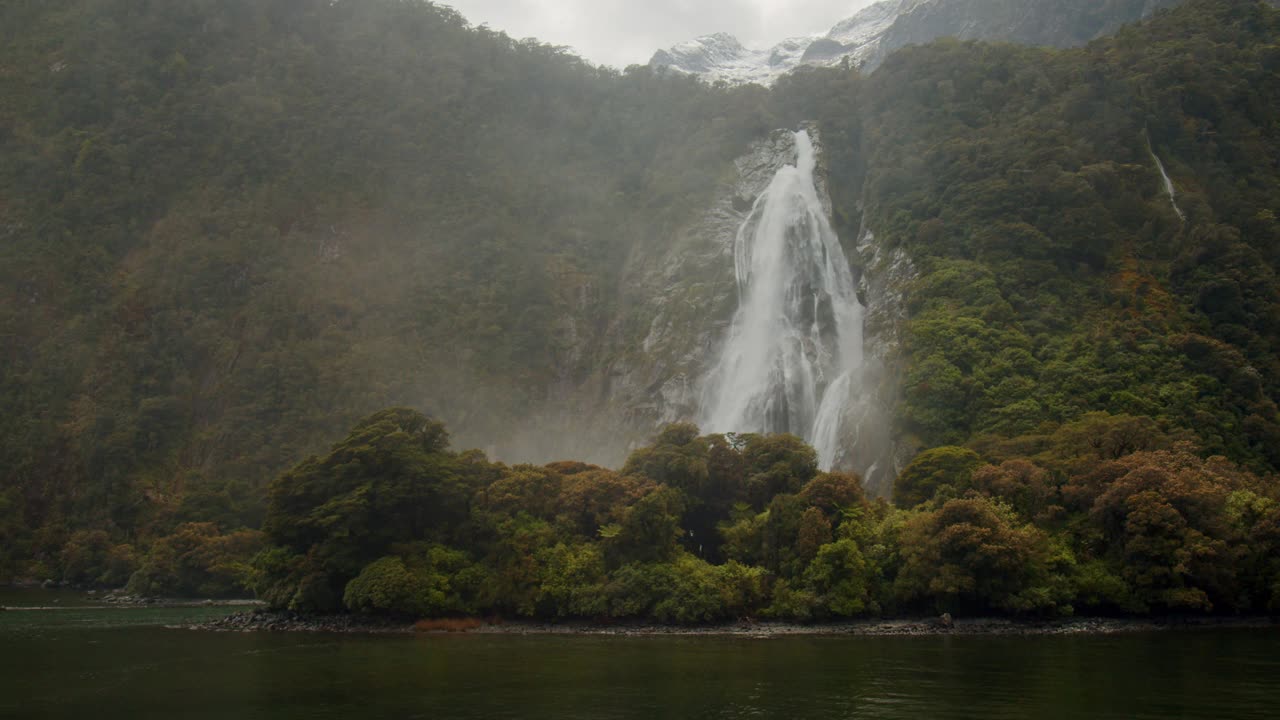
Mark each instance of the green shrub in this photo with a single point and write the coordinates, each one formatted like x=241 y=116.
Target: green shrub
x=943 y=470
x=387 y=586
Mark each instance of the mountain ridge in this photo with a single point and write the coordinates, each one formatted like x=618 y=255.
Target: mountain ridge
x=231 y=229
x=866 y=38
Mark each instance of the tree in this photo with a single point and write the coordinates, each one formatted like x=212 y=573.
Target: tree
x=834 y=492
x=1028 y=488
x=649 y=531
x=1164 y=519
x=814 y=532
x=776 y=465
x=525 y=488
x=676 y=458
x=421 y=580
x=974 y=555
x=840 y=579
x=197 y=560
x=592 y=499
x=573 y=581
x=944 y=471
x=1101 y=436
x=392 y=480
x=388 y=586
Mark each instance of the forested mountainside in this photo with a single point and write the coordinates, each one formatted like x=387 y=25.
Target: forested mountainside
x=231 y=229
x=1091 y=228
x=1059 y=274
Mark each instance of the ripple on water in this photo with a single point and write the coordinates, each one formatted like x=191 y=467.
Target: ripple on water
x=100 y=667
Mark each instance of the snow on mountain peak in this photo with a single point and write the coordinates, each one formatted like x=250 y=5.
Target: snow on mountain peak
x=721 y=57
x=867 y=38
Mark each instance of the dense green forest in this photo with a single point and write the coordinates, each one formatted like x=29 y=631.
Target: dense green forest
x=703 y=529
x=229 y=230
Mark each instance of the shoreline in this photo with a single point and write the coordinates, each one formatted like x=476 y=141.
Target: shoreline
x=913 y=627
x=57 y=596
x=136 y=604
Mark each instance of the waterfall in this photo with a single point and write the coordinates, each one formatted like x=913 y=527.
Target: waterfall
x=1168 y=184
x=791 y=360
x=825 y=437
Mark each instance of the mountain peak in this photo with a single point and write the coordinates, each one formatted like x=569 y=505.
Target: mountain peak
x=721 y=57
x=868 y=36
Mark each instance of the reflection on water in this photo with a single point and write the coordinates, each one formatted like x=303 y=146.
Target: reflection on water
x=121 y=664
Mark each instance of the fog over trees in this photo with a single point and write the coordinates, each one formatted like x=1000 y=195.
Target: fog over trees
x=233 y=233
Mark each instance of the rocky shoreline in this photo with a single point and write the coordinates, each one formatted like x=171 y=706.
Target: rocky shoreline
x=264 y=621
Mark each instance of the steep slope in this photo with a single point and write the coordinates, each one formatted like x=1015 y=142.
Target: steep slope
x=1008 y=214
x=229 y=229
x=1057 y=277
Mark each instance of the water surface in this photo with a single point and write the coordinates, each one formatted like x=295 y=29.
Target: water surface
x=124 y=663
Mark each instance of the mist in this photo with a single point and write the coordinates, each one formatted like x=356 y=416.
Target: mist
x=619 y=33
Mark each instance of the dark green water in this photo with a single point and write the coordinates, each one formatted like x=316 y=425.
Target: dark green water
x=123 y=663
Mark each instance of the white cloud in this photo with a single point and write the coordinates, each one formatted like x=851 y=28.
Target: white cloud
x=623 y=32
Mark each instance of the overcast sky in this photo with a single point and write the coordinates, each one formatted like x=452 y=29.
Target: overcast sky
x=624 y=32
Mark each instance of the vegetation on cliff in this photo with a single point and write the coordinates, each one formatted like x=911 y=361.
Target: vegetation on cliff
x=229 y=230
x=1058 y=278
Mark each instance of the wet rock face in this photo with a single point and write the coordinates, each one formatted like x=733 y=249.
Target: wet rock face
x=641 y=367
x=885 y=276
x=679 y=298
x=684 y=297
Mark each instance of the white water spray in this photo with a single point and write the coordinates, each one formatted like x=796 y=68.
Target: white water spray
x=792 y=357
x=1168 y=184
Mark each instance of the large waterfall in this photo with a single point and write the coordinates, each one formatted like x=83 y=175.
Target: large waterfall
x=792 y=359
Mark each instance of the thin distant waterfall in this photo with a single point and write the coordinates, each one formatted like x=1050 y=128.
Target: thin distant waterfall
x=794 y=350
x=1168 y=183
